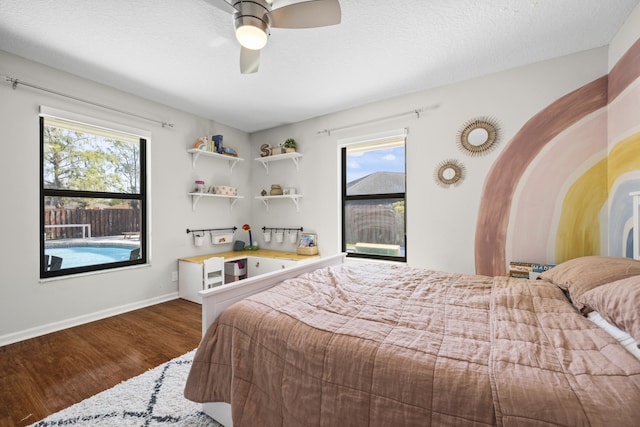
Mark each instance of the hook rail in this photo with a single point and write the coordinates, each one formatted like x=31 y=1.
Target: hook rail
x=212 y=229
x=282 y=228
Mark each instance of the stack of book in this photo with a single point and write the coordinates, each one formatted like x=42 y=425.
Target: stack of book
x=527 y=270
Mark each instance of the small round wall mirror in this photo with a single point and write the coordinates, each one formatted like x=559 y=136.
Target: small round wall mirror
x=449 y=172
x=478 y=136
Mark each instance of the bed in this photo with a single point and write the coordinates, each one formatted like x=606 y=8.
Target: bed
x=333 y=343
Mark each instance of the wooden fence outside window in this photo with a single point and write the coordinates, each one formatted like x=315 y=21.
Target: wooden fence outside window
x=100 y=222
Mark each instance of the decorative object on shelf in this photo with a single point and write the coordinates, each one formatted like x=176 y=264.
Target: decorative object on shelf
x=228 y=151
x=289 y=191
x=276 y=190
x=224 y=190
x=216 y=143
x=449 y=172
x=251 y=246
x=200 y=187
x=478 y=136
x=289 y=145
x=265 y=150
x=201 y=143
x=263 y=192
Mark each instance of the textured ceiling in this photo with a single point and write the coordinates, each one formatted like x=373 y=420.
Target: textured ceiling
x=184 y=54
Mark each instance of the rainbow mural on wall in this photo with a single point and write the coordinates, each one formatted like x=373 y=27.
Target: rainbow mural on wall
x=560 y=188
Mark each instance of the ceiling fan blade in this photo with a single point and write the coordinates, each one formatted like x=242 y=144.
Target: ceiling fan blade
x=249 y=60
x=307 y=14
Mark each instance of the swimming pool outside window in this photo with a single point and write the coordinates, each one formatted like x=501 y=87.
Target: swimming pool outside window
x=92 y=198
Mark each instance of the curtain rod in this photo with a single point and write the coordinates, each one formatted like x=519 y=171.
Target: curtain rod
x=15 y=82
x=417 y=112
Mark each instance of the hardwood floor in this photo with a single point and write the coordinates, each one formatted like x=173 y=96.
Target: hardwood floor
x=43 y=375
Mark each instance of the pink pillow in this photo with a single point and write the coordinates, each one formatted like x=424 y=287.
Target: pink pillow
x=580 y=275
x=618 y=302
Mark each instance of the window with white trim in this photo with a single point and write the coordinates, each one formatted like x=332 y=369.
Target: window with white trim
x=93 y=199
x=374 y=199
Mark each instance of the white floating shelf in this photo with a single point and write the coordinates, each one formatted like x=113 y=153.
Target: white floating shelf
x=195 y=153
x=293 y=197
x=294 y=157
x=195 y=197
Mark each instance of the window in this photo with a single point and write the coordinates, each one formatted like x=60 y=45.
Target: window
x=92 y=198
x=373 y=199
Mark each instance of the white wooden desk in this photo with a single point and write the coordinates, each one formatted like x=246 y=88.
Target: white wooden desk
x=190 y=270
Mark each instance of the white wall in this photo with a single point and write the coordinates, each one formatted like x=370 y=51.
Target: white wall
x=29 y=306
x=440 y=225
x=626 y=36
x=440 y=222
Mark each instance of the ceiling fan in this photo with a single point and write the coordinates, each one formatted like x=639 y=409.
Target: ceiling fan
x=254 y=18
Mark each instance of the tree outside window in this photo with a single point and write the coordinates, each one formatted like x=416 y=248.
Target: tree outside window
x=93 y=198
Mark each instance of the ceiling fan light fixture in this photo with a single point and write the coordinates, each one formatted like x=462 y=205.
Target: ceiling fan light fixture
x=251 y=37
x=252 y=20
x=252 y=23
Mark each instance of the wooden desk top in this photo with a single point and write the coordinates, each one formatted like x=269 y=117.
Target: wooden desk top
x=235 y=255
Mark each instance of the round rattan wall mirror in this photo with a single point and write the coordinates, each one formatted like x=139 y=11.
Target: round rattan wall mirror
x=478 y=136
x=449 y=172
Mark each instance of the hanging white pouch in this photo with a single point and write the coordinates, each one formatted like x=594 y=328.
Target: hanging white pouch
x=221 y=238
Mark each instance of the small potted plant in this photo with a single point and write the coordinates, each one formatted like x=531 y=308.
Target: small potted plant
x=289 y=145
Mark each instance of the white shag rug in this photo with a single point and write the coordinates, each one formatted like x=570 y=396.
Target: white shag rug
x=154 y=398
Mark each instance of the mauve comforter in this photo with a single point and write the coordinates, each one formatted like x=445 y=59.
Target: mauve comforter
x=389 y=345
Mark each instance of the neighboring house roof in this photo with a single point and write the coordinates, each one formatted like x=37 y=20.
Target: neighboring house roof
x=377 y=183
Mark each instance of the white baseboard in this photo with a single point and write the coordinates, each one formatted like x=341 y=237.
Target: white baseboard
x=80 y=320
